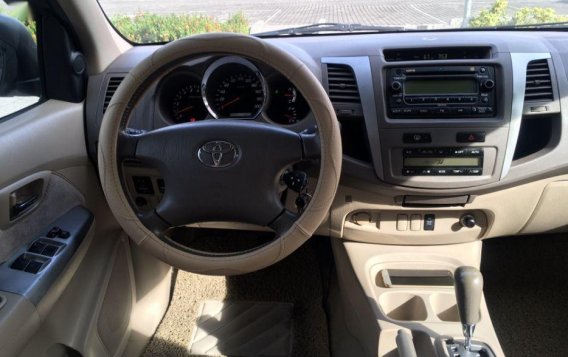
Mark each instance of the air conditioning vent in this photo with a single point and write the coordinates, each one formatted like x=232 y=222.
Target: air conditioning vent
x=112 y=86
x=539 y=84
x=342 y=84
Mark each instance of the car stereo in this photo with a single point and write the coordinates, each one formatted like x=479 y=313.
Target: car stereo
x=441 y=91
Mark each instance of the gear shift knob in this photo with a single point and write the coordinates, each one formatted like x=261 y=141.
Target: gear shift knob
x=469 y=288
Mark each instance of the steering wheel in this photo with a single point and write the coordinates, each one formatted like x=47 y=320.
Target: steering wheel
x=220 y=169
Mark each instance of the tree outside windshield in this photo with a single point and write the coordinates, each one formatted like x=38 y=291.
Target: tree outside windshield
x=148 y=21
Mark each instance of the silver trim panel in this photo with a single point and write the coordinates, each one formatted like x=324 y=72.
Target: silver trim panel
x=361 y=66
x=519 y=63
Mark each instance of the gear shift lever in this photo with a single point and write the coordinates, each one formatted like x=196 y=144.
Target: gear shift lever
x=469 y=287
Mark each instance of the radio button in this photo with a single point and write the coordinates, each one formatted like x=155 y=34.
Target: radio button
x=457 y=171
x=461 y=111
x=407 y=111
x=471 y=137
x=442 y=171
x=396 y=111
x=442 y=111
x=396 y=85
x=423 y=111
x=484 y=110
x=474 y=171
x=416 y=138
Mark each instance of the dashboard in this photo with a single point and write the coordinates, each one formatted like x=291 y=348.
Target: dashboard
x=434 y=124
x=232 y=88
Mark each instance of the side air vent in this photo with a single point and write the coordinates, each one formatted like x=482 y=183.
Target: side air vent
x=539 y=84
x=342 y=84
x=112 y=86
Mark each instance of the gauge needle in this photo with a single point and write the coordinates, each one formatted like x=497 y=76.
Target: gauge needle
x=226 y=104
x=184 y=110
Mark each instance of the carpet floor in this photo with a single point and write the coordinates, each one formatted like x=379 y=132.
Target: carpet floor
x=526 y=288
x=296 y=280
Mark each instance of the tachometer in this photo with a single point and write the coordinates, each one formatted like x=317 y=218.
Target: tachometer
x=287 y=105
x=187 y=104
x=234 y=88
x=179 y=97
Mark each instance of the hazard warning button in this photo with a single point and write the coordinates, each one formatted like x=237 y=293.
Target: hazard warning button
x=471 y=137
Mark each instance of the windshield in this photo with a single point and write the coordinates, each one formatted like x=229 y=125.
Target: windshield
x=167 y=20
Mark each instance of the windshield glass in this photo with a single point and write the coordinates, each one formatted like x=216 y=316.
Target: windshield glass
x=167 y=20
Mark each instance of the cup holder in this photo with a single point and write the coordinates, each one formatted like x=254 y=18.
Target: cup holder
x=403 y=306
x=445 y=307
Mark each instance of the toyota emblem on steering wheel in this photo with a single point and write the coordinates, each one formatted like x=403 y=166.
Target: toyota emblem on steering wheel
x=218 y=154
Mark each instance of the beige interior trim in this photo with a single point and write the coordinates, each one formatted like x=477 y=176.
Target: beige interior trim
x=532 y=207
x=19 y=320
x=101 y=43
x=331 y=155
x=425 y=305
x=52 y=125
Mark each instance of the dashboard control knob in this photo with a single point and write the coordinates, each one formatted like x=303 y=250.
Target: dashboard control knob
x=396 y=85
x=489 y=84
x=468 y=221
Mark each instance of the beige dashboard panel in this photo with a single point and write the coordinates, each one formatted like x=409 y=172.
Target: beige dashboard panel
x=533 y=207
x=551 y=213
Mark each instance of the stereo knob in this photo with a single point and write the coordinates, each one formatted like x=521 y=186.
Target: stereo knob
x=468 y=221
x=396 y=85
x=489 y=84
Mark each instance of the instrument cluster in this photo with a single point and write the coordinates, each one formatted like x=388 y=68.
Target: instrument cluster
x=230 y=88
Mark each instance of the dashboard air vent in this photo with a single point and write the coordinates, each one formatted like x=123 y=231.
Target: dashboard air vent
x=342 y=84
x=112 y=86
x=539 y=84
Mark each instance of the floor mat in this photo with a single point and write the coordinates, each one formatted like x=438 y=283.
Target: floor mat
x=296 y=280
x=526 y=288
x=243 y=328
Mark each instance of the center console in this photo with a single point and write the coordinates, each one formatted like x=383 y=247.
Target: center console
x=442 y=122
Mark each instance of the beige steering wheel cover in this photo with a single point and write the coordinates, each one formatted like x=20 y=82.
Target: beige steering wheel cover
x=166 y=58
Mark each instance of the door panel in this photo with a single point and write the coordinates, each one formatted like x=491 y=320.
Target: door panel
x=45 y=170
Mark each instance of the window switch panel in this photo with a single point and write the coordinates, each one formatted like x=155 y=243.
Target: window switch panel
x=21 y=263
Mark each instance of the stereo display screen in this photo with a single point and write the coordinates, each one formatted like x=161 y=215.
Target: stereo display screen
x=440 y=86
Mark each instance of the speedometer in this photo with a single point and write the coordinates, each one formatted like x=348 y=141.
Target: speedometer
x=234 y=88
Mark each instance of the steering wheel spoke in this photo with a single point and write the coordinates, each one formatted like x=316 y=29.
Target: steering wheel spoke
x=154 y=223
x=282 y=224
x=127 y=143
x=311 y=144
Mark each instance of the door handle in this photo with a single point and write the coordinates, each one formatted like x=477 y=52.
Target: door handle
x=22 y=205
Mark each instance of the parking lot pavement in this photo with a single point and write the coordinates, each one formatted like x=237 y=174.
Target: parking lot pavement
x=267 y=15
